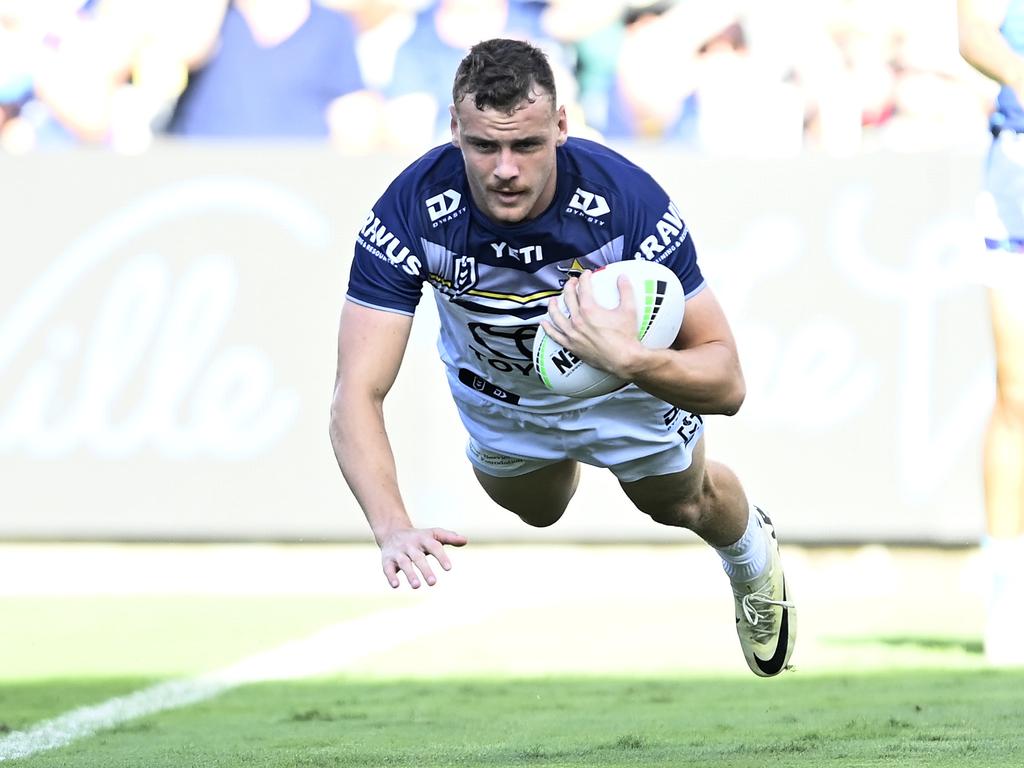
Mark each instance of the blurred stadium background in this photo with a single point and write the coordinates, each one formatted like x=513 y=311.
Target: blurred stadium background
x=181 y=185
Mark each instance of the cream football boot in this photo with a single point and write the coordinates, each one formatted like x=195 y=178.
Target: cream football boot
x=765 y=615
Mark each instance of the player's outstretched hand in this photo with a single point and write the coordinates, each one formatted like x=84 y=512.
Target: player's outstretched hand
x=406 y=550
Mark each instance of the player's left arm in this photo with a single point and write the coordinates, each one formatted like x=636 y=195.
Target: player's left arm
x=700 y=373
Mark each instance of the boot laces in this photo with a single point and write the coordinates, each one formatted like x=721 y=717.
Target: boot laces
x=757 y=610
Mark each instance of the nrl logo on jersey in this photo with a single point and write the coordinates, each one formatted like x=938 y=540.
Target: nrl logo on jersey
x=464 y=275
x=443 y=207
x=588 y=205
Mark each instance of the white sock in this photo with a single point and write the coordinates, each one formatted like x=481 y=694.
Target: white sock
x=747 y=558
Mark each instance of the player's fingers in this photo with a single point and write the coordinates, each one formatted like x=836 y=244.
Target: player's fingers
x=555 y=333
x=585 y=289
x=554 y=314
x=571 y=298
x=436 y=549
x=553 y=310
x=410 y=571
x=420 y=561
x=445 y=536
x=626 y=299
x=554 y=323
x=391 y=572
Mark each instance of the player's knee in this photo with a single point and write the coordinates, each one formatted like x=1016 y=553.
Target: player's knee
x=541 y=518
x=538 y=499
x=685 y=512
x=1010 y=399
x=540 y=513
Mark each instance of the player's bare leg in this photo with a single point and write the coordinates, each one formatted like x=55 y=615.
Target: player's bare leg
x=708 y=499
x=539 y=497
x=1004 y=483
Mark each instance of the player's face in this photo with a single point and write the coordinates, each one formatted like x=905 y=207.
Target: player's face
x=510 y=158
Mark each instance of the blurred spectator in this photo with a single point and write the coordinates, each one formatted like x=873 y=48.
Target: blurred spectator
x=420 y=89
x=276 y=69
x=872 y=75
x=653 y=93
x=734 y=90
x=39 y=106
x=103 y=69
x=384 y=26
x=683 y=72
x=593 y=30
x=940 y=101
x=839 y=75
x=251 y=68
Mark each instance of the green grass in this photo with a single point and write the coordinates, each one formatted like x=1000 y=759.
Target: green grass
x=106 y=636
x=603 y=675
x=97 y=647
x=885 y=719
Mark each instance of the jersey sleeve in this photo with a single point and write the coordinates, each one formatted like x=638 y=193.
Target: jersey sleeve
x=659 y=234
x=387 y=268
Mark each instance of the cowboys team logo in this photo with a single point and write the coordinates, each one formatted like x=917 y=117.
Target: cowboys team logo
x=573 y=270
x=464 y=274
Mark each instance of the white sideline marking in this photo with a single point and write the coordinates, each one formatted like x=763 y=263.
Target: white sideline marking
x=323 y=652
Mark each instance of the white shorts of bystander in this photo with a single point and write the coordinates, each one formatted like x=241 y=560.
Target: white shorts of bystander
x=1000 y=213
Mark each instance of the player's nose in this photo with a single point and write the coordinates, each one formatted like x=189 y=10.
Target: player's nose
x=506 y=167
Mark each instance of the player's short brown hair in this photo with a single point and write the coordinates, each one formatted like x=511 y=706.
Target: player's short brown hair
x=502 y=74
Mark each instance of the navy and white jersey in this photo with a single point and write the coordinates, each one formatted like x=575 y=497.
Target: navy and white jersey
x=1009 y=113
x=491 y=281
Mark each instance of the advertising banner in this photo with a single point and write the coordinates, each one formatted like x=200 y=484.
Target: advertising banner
x=168 y=330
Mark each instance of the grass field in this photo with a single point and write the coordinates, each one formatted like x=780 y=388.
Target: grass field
x=555 y=656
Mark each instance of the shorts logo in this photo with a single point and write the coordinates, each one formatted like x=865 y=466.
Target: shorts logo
x=590 y=204
x=691 y=425
x=465 y=276
x=443 y=204
x=482 y=385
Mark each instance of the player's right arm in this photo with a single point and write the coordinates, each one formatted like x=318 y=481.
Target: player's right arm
x=371 y=345
x=984 y=47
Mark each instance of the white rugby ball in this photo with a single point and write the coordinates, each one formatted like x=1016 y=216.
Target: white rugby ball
x=660 y=301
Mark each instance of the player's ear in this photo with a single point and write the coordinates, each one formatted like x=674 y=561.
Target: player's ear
x=455 y=125
x=563 y=127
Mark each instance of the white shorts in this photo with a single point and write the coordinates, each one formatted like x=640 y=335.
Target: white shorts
x=632 y=433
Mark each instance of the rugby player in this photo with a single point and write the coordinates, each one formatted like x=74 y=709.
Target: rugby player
x=499 y=222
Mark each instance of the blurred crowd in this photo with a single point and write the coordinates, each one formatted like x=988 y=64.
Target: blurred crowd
x=764 y=77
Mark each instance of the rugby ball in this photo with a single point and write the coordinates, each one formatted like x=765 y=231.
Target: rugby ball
x=659 y=299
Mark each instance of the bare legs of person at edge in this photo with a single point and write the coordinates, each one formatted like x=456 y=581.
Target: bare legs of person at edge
x=1004 y=484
